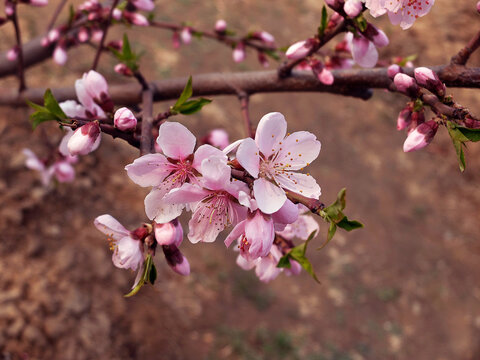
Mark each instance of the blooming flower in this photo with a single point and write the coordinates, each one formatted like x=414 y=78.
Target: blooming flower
x=273 y=158
x=364 y=52
x=403 y=12
x=127 y=249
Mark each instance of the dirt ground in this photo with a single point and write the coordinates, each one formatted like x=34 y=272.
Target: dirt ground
x=404 y=287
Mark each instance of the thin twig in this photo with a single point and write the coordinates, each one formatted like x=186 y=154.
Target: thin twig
x=244 y=101
x=146 y=139
x=107 y=24
x=55 y=15
x=463 y=55
x=18 y=37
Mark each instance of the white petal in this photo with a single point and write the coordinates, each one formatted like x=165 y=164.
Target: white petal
x=157 y=209
x=270 y=197
x=232 y=146
x=300 y=183
x=216 y=173
x=175 y=140
x=110 y=227
x=149 y=170
x=237 y=231
x=298 y=150
x=204 y=152
x=248 y=156
x=270 y=131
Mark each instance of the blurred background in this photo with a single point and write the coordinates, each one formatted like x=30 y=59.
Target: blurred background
x=404 y=287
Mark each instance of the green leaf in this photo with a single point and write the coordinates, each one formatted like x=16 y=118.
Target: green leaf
x=284 y=262
x=458 y=140
x=361 y=23
x=298 y=254
x=272 y=53
x=50 y=112
x=153 y=274
x=323 y=22
x=145 y=277
x=349 y=225
x=334 y=211
x=185 y=95
x=192 y=106
x=51 y=105
x=405 y=60
x=126 y=56
x=471 y=134
x=418 y=105
x=332 y=229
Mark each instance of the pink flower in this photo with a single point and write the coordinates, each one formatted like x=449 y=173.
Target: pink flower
x=273 y=158
x=213 y=201
x=92 y=92
x=301 y=228
x=63 y=171
x=353 y=8
x=123 y=69
x=176 y=260
x=169 y=170
x=325 y=77
x=421 y=136
x=145 y=5
x=217 y=138
x=34 y=163
x=376 y=7
x=12 y=54
x=406 y=84
x=239 y=53
x=405 y=12
x=170 y=233
x=85 y=139
x=186 y=35
x=364 y=52
x=73 y=109
x=60 y=55
x=124 y=119
x=377 y=36
x=127 y=249
x=298 y=50
x=265 y=267
x=220 y=26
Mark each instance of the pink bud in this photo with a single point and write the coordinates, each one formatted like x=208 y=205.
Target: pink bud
x=421 y=136
x=64 y=172
x=123 y=69
x=377 y=36
x=404 y=118
x=97 y=35
x=136 y=19
x=83 y=35
x=38 y=2
x=325 y=77
x=170 y=233
x=428 y=79
x=85 y=139
x=298 y=50
x=12 y=54
x=218 y=138
x=353 y=8
x=53 y=35
x=124 y=119
x=97 y=88
x=44 y=42
x=266 y=37
x=418 y=117
x=186 y=35
x=145 y=5
x=182 y=268
x=239 y=53
x=175 y=40
x=262 y=59
x=60 y=55
x=393 y=70
x=117 y=14
x=221 y=26
x=406 y=84
x=478 y=6
x=9 y=9
x=335 y=4
x=176 y=260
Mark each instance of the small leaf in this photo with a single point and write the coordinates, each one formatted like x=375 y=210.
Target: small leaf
x=471 y=134
x=334 y=211
x=323 y=22
x=458 y=140
x=185 y=95
x=272 y=53
x=51 y=105
x=332 y=229
x=349 y=225
x=284 y=262
x=361 y=23
x=298 y=254
x=193 y=106
x=153 y=274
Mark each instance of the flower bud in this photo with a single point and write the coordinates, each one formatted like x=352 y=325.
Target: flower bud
x=335 y=4
x=265 y=37
x=85 y=139
x=176 y=260
x=64 y=172
x=298 y=50
x=44 y=41
x=12 y=54
x=323 y=75
x=404 y=118
x=9 y=9
x=393 y=70
x=421 y=136
x=353 y=8
x=262 y=59
x=478 y=6
x=377 y=36
x=418 y=117
x=170 y=233
x=239 y=53
x=406 y=84
x=123 y=69
x=136 y=19
x=221 y=26
x=83 y=35
x=186 y=35
x=60 y=55
x=97 y=36
x=217 y=138
x=145 y=5
x=117 y=14
x=175 y=40
x=124 y=119
x=38 y=2
x=429 y=79
x=53 y=35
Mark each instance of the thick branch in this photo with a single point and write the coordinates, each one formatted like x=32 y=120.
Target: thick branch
x=464 y=54
x=354 y=82
x=20 y=61
x=146 y=138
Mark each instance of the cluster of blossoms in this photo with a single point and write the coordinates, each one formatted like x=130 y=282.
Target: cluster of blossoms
x=243 y=188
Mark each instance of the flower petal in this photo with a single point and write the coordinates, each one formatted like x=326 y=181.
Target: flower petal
x=216 y=173
x=270 y=131
x=237 y=231
x=248 y=156
x=187 y=193
x=149 y=170
x=176 y=141
x=110 y=227
x=287 y=214
x=298 y=150
x=159 y=210
x=270 y=197
x=204 y=152
x=300 y=183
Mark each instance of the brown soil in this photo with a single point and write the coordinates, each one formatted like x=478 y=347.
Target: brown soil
x=405 y=287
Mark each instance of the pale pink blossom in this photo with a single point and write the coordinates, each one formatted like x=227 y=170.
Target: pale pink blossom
x=83 y=35
x=12 y=54
x=127 y=248
x=117 y=14
x=239 y=53
x=9 y=8
x=186 y=35
x=34 y=163
x=60 y=55
x=405 y=12
x=220 y=26
x=97 y=35
x=217 y=138
x=364 y=52
x=73 y=109
x=170 y=233
x=298 y=50
x=302 y=227
x=353 y=8
x=273 y=159
x=169 y=170
x=265 y=267
x=145 y=5
x=124 y=119
x=85 y=139
x=421 y=136
x=136 y=18
x=63 y=171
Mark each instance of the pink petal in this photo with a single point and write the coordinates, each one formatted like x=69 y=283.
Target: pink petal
x=248 y=156
x=32 y=162
x=159 y=210
x=205 y=224
x=287 y=214
x=216 y=173
x=110 y=227
x=246 y=264
x=300 y=183
x=270 y=131
x=149 y=170
x=233 y=146
x=204 y=152
x=175 y=140
x=364 y=52
x=298 y=150
x=260 y=232
x=270 y=197
x=187 y=193
x=237 y=231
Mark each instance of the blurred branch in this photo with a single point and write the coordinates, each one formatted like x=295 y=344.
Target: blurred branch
x=244 y=101
x=353 y=82
x=20 y=62
x=463 y=55
x=55 y=15
x=105 y=27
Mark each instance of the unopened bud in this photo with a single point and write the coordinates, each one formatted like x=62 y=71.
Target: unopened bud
x=377 y=36
x=85 y=139
x=145 y=5
x=123 y=69
x=262 y=59
x=175 y=40
x=299 y=50
x=186 y=35
x=170 y=233
x=429 y=79
x=393 y=70
x=418 y=118
x=478 y=6
x=353 y=8
x=60 y=55
x=117 y=14
x=38 y=2
x=64 y=172
x=124 y=120
x=239 y=53
x=264 y=36
x=221 y=26
x=176 y=260
x=44 y=41
x=9 y=8
x=324 y=75
x=53 y=35
x=421 y=136
x=404 y=118
x=12 y=54
x=136 y=18
x=406 y=84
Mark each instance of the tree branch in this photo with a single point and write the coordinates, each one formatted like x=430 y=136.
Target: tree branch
x=20 y=62
x=105 y=27
x=146 y=139
x=463 y=55
x=244 y=100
